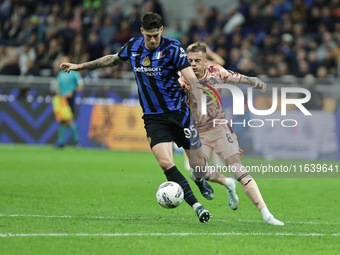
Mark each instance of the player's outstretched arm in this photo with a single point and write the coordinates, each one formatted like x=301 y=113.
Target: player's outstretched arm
x=255 y=82
x=108 y=60
x=215 y=57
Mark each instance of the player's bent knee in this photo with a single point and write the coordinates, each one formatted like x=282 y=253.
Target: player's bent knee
x=234 y=159
x=165 y=164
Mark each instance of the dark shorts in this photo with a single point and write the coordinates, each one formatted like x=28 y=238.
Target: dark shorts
x=177 y=126
x=71 y=103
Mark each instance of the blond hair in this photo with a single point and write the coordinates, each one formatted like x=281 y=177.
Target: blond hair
x=197 y=47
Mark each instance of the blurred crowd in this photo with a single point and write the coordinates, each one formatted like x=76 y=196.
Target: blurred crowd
x=267 y=37
x=274 y=38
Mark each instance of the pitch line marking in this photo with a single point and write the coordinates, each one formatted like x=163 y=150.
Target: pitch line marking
x=165 y=234
x=141 y=218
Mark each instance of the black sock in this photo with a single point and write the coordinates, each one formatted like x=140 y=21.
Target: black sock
x=173 y=174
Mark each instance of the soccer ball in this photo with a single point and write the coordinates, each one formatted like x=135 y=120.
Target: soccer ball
x=169 y=195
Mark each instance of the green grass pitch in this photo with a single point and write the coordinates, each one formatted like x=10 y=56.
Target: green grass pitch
x=103 y=202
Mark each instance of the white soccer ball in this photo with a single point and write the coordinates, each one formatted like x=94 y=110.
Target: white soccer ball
x=169 y=195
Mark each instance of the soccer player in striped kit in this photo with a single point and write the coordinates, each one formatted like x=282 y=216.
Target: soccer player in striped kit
x=221 y=138
x=155 y=61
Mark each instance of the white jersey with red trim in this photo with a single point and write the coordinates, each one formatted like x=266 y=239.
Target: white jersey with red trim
x=213 y=74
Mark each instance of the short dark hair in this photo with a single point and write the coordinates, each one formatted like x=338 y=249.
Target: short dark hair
x=151 y=20
x=197 y=47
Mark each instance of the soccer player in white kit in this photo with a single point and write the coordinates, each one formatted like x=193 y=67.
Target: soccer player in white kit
x=221 y=138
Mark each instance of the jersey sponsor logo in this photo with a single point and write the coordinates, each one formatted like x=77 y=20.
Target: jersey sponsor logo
x=150 y=71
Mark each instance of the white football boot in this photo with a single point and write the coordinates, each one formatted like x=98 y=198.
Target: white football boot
x=272 y=221
x=232 y=196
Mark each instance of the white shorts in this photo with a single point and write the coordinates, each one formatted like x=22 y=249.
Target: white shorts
x=220 y=140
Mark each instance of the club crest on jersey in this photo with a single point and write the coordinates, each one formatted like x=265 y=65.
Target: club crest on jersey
x=146 y=61
x=159 y=54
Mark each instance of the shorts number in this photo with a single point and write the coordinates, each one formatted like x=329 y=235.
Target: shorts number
x=187 y=133
x=192 y=132
x=230 y=140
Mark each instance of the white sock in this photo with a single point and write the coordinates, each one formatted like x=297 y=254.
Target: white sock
x=265 y=213
x=195 y=205
x=229 y=182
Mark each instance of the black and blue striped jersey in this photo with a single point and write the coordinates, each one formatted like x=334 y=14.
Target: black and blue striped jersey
x=156 y=73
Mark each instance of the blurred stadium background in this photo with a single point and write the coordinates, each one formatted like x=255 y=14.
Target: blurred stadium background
x=285 y=43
